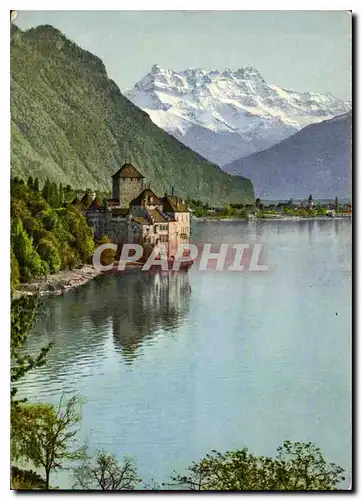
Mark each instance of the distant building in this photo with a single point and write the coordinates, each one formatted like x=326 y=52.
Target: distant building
x=135 y=214
x=310 y=201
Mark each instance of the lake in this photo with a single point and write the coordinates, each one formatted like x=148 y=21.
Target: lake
x=172 y=365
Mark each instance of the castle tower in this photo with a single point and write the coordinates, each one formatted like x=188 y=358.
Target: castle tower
x=127 y=184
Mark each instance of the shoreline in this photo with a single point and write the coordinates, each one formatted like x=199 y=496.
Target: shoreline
x=64 y=281
x=58 y=283
x=268 y=218
x=68 y=279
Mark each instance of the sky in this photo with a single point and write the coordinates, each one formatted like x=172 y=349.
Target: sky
x=306 y=51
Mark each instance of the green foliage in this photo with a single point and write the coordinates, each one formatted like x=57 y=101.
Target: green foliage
x=14 y=270
x=299 y=212
x=105 y=473
x=46 y=435
x=23 y=316
x=303 y=467
x=28 y=258
x=50 y=253
x=76 y=224
x=232 y=210
x=71 y=124
x=198 y=207
x=26 y=480
x=321 y=211
x=46 y=238
x=297 y=466
x=53 y=194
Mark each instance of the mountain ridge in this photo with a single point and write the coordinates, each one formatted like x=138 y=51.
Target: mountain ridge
x=71 y=123
x=317 y=160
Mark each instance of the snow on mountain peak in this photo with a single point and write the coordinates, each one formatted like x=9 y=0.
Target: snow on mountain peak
x=197 y=102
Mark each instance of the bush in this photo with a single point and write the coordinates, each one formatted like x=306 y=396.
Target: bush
x=26 y=480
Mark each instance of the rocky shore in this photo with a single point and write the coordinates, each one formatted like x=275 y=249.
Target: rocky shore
x=58 y=283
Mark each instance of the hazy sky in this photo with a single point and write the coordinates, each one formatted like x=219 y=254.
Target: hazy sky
x=298 y=50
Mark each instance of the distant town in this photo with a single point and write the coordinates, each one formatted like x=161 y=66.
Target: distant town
x=274 y=209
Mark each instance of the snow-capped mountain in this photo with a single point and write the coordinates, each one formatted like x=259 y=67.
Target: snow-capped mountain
x=225 y=115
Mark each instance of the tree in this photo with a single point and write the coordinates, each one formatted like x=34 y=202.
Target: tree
x=36 y=185
x=336 y=204
x=29 y=260
x=49 y=253
x=76 y=224
x=297 y=466
x=15 y=270
x=23 y=316
x=60 y=195
x=54 y=195
x=106 y=474
x=48 y=435
x=30 y=182
x=46 y=190
x=304 y=468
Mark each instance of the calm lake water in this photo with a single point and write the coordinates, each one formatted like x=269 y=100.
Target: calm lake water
x=174 y=365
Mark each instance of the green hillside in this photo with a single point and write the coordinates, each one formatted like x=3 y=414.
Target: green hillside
x=71 y=123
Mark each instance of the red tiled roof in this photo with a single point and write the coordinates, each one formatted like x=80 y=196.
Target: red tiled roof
x=145 y=198
x=141 y=220
x=157 y=216
x=174 y=204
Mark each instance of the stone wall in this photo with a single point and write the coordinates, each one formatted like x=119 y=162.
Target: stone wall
x=128 y=190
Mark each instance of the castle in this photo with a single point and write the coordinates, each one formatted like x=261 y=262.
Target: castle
x=135 y=214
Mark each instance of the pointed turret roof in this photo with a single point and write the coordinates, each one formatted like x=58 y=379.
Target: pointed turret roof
x=96 y=204
x=86 y=200
x=128 y=171
x=77 y=203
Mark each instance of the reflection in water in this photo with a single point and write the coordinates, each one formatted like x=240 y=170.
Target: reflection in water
x=134 y=306
x=145 y=303
x=245 y=360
